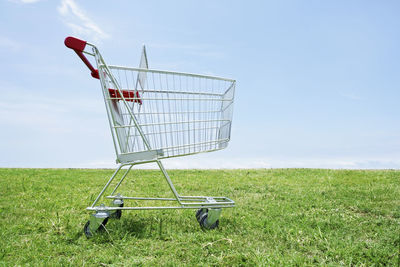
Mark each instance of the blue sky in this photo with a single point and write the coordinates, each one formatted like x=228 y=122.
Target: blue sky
x=317 y=81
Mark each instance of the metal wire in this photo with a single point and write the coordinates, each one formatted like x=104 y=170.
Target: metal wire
x=176 y=113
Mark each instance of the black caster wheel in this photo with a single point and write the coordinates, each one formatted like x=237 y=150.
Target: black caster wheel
x=200 y=212
x=89 y=233
x=102 y=227
x=204 y=224
x=117 y=213
x=86 y=230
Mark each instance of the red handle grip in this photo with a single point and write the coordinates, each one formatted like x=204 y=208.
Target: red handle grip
x=78 y=46
x=75 y=43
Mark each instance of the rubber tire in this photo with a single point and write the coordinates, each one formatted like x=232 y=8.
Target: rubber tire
x=102 y=227
x=118 y=214
x=86 y=228
x=203 y=220
x=199 y=212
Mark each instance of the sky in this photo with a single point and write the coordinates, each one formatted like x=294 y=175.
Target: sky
x=317 y=81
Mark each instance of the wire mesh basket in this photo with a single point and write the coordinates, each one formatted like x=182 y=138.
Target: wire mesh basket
x=176 y=114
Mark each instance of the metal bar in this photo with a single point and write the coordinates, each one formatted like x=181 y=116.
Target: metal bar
x=228 y=199
x=140 y=155
x=99 y=60
x=229 y=88
x=168 y=123
x=166 y=150
x=171 y=185
x=122 y=178
x=178 y=92
x=194 y=145
x=227 y=106
x=170 y=199
x=207 y=203
x=177 y=131
x=200 y=197
x=171 y=72
x=173 y=156
x=134 y=208
x=172 y=112
x=225 y=200
x=106 y=186
x=142 y=198
x=191 y=153
x=88 y=53
x=138 y=162
x=194 y=197
x=159 y=208
x=168 y=99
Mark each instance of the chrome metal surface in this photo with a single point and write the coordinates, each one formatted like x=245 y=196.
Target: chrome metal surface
x=157 y=114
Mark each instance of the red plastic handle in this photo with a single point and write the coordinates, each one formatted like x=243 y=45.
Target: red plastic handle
x=75 y=43
x=78 y=46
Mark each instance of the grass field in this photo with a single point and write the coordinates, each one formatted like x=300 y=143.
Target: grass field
x=283 y=217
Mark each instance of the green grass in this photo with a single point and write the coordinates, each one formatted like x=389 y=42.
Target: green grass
x=283 y=217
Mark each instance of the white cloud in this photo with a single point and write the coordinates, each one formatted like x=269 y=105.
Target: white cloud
x=76 y=19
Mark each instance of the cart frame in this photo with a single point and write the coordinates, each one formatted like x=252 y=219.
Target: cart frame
x=209 y=208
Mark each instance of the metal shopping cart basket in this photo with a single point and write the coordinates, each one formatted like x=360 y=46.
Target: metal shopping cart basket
x=153 y=115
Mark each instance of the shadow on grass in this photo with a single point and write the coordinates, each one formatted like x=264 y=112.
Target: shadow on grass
x=134 y=226
x=159 y=225
x=142 y=227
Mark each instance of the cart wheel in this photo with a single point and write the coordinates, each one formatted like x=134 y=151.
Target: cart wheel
x=204 y=224
x=117 y=203
x=118 y=214
x=102 y=227
x=199 y=212
x=88 y=232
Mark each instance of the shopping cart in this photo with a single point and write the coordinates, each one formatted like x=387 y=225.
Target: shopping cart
x=153 y=115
